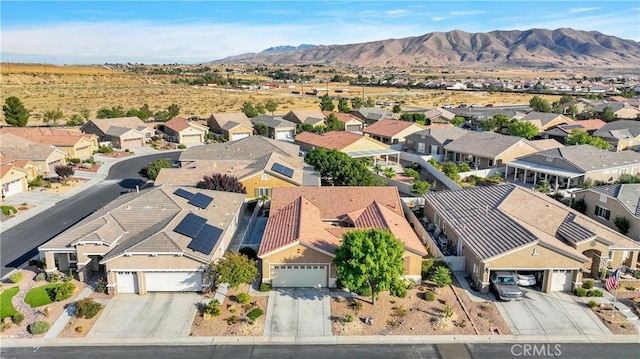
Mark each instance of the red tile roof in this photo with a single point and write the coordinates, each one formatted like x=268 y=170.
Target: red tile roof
x=331 y=140
x=177 y=124
x=45 y=135
x=303 y=215
x=344 y=117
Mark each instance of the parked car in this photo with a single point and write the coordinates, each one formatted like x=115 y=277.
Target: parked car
x=525 y=279
x=446 y=106
x=474 y=105
x=462 y=106
x=489 y=105
x=505 y=286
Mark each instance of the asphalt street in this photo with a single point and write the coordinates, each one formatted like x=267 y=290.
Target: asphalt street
x=20 y=243
x=368 y=351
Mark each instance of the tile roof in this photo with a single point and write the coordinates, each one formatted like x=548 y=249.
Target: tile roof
x=335 y=140
x=545 y=144
x=444 y=134
x=21 y=149
x=587 y=158
x=125 y=122
x=177 y=124
x=273 y=121
x=303 y=215
x=620 y=129
x=46 y=135
x=390 y=128
x=222 y=119
x=591 y=125
x=248 y=148
x=341 y=116
x=628 y=194
x=571 y=232
x=483 y=144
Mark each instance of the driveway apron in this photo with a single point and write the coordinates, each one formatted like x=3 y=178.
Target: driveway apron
x=299 y=312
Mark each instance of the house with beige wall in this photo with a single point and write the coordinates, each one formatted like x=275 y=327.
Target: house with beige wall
x=43 y=157
x=306 y=225
x=546 y=120
x=606 y=203
x=311 y=117
x=160 y=240
x=351 y=122
x=233 y=126
x=122 y=133
x=14 y=176
x=183 y=131
x=277 y=127
x=391 y=131
x=482 y=150
x=621 y=135
x=510 y=228
x=72 y=141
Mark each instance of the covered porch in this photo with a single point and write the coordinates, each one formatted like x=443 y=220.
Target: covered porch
x=378 y=155
x=532 y=173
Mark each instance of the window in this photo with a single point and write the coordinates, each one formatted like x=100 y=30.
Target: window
x=602 y=212
x=395 y=141
x=475 y=268
x=264 y=177
x=610 y=255
x=421 y=147
x=603 y=198
x=549 y=159
x=73 y=258
x=262 y=191
x=490 y=163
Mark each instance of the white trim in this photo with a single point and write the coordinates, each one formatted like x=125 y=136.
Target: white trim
x=83 y=263
x=154 y=270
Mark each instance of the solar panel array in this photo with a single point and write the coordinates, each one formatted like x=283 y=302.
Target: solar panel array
x=286 y=171
x=200 y=200
x=184 y=194
x=190 y=225
x=205 y=239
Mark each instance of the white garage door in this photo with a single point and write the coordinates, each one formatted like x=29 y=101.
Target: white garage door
x=173 y=281
x=12 y=188
x=239 y=136
x=292 y=276
x=284 y=135
x=127 y=282
x=561 y=280
x=353 y=128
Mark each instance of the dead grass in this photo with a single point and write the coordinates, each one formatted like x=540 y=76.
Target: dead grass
x=618 y=323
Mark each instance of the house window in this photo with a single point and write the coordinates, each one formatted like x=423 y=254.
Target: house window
x=395 y=141
x=603 y=198
x=407 y=264
x=421 y=147
x=73 y=258
x=549 y=159
x=624 y=171
x=434 y=150
x=262 y=191
x=475 y=268
x=602 y=212
x=490 y=163
x=610 y=255
x=264 y=177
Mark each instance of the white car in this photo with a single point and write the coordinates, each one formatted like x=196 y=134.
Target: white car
x=446 y=106
x=525 y=279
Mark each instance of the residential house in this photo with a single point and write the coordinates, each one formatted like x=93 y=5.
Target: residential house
x=183 y=131
x=351 y=122
x=621 y=135
x=432 y=140
x=311 y=117
x=482 y=150
x=306 y=225
x=392 y=131
x=259 y=163
x=620 y=110
x=233 y=126
x=605 y=204
x=13 y=178
x=75 y=143
x=372 y=115
x=571 y=166
x=354 y=145
x=546 y=120
x=44 y=157
x=160 y=240
x=123 y=133
x=437 y=116
x=278 y=128
x=511 y=228
x=561 y=132
x=474 y=115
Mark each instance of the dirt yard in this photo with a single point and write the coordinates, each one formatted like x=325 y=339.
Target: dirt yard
x=414 y=315
x=20 y=208
x=79 y=327
x=221 y=325
x=61 y=188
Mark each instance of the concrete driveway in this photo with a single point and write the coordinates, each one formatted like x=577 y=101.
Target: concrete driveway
x=556 y=313
x=298 y=312
x=154 y=315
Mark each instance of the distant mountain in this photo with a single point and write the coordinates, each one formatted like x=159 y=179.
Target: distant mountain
x=286 y=48
x=536 y=48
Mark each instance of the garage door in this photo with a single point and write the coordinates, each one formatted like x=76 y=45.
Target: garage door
x=353 y=128
x=284 y=135
x=561 y=280
x=12 y=188
x=127 y=282
x=239 y=136
x=291 y=276
x=173 y=281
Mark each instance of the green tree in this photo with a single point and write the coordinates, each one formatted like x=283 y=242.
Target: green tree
x=154 y=167
x=524 y=129
x=572 y=111
x=271 y=105
x=389 y=172
x=539 y=104
x=75 y=120
x=495 y=123
x=261 y=128
x=556 y=107
x=420 y=187
x=457 y=121
x=622 y=223
x=260 y=108
x=173 y=110
x=145 y=112
x=53 y=116
x=249 y=110
x=450 y=170
x=64 y=172
x=357 y=103
x=565 y=98
x=326 y=103
x=396 y=108
x=579 y=137
x=369 y=258
x=235 y=269
x=607 y=114
x=113 y=112
x=343 y=105
x=333 y=124
x=338 y=169
x=369 y=102
x=15 y=114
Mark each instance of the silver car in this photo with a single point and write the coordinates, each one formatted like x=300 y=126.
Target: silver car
x=505 y=286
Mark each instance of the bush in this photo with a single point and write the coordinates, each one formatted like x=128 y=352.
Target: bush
x=441 y=276
x=17 y=318
x=40 y=277
x=464 y=167
x=105 y=149
x=232 y=319
x=448 y=311
x=40 y=327
x=398 y=289
x=213 y=308
x=426 y=267
x=101 y=285
x=249 y=252
x=16 y=277
x=73 y=161
x=356 y=305
x=36 y=262
x=54 y=277
x=592 y=304
x=429 y=296
x=182 y=146
x=580 y=292
x=265 y=287
x=348 y=318
x=36 y=182
x=587 y=284
x=87 y=308
x=255 y=314
x=595 y=293
x=629 y=287
x=61 y=292
x=80 y=329
x=243 y=298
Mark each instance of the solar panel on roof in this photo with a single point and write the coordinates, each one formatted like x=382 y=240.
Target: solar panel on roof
x=571 y=126
x=286 y=171
x=206 y=239
x=182 y=193
x=190 y=225
x=200 y=200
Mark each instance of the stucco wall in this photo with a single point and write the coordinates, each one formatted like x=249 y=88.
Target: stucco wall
x=159 y=262
x=256 y=181
x=296 y=254
x=592 y=199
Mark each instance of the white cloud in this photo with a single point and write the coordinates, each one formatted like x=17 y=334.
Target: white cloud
x=467 y=12
x=397 y=12
x=440 y=18
x=583 y=9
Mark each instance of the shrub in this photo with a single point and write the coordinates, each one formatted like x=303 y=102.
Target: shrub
x=61 y=292
x=426 y=267
x=398 y=289
x=40 y=277
x=429 y=296
x=105 y=149
x=448 y=311
x=587 y=284
x=16 y=277
x=630 y=287
x=592 y=304
x=356 y=305
x=595 y=293
x=243 y=298
x=40 y=327
x=464 y=167
x=80 y=329
x=392 y=322
x=265 y=287
x=87 y=308
x=54 y=277
x=348 y=318
x=17 y=318
x=580 y=292
x=249 y=252
x=399 y=311
x=74 y=161
x=441 y=277
x=101 y=285
x=462 y=323
x=35 y=262
x=213 y=308
x=232 y=319
x=182 y=146
x=255 y=314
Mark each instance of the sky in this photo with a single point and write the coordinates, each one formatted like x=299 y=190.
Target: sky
x=162 y=32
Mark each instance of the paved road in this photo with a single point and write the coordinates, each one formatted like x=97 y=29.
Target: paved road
x=20 y=243
x=360 y=351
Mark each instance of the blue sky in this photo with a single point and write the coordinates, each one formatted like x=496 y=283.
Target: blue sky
x=78 y=32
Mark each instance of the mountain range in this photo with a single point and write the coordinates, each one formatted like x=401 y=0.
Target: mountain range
x=558 y=48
